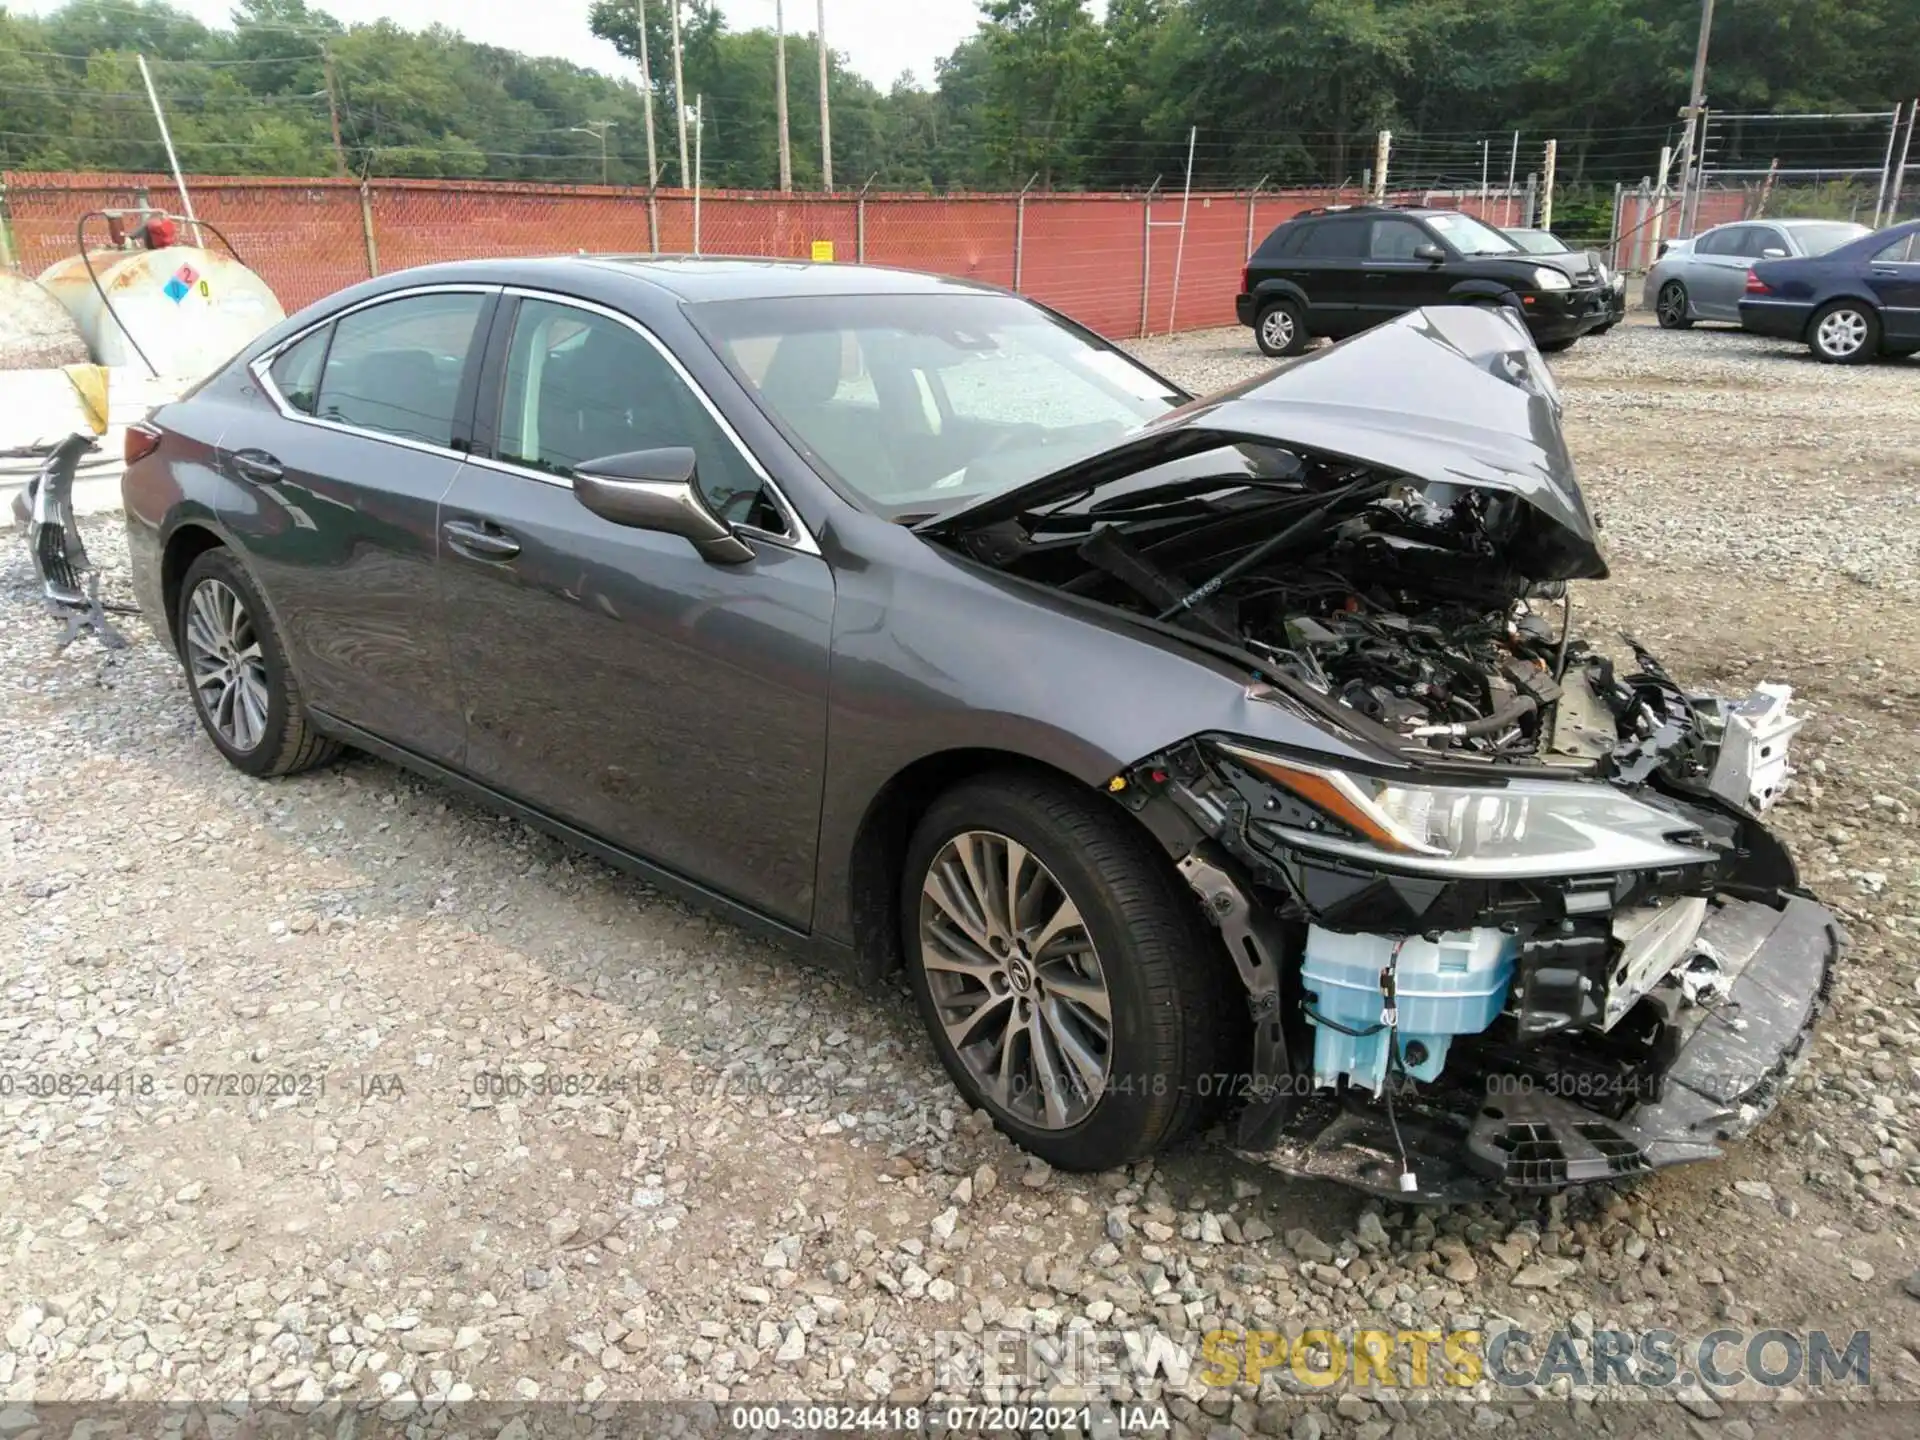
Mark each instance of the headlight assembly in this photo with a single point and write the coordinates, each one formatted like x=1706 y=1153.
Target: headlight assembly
x=1545 y=278
x=1522 y=828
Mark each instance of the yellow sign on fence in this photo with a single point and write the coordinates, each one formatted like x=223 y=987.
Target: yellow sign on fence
x=823 y=252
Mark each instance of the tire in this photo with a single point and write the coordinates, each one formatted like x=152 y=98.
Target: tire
x=1159 y=969
x=243 y=673
x=1670 y=307
x=1281 y=329
x=1846 y=332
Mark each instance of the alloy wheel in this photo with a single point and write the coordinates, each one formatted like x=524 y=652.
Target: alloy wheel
x=1673 y=307
x=1842 y=333
x=226 y=665
x=1016 y=980
x=1277 y=328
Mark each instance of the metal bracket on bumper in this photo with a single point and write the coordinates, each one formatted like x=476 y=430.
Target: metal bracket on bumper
x=1735 y=1059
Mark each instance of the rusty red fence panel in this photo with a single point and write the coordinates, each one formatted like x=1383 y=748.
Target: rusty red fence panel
x=1082 y=254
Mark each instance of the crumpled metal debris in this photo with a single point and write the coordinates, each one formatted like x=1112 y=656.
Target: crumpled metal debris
x=1703 y=976
x=69 y=585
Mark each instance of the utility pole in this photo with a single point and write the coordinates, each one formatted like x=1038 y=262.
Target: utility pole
x=597 y=128
x=780 y=92
x=1693 y=143
x=679 y=94
x=1383 y=147
x=826 y=127
x=333 y=111
x=646 y=92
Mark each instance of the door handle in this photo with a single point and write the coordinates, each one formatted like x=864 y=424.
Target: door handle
x=1886 y=272
x=482 y=542
x=257 y=466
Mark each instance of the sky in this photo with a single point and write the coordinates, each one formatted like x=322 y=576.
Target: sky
x=880 y=38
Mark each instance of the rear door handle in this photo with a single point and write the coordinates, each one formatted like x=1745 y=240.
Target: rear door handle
x=1886 y=272
x=257 y=466
x=482 y=542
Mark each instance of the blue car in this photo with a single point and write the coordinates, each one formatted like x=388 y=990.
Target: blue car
x=1850 y=305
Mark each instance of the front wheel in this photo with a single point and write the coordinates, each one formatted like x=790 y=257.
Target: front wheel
x=244 y=691
x=1670 y=309
x=1281 y=329
x=1065 y=977
x=1844 y=333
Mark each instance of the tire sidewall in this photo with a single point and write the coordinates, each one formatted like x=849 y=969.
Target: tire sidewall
x=220 y=565
x=1869 y=348
x=1300 y=337
x=1140 y=1080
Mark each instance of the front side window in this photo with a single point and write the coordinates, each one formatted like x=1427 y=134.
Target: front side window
x=395 y=367
x=917 y=404
x=580 y=386
x=1396 y=240
x=296 y=372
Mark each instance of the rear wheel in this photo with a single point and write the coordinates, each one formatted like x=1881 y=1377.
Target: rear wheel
x=1068 y=984
x=1670 y=308
x=1281 y=329
x=1844 y=333
x=245 y=693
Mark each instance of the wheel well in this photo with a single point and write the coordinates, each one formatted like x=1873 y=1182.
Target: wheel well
x=880 y=846
x=184 y=546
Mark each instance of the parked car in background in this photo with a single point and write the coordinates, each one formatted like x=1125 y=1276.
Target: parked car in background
x=1850 y=305
x=1339 y=270
x=1545 y=242
x=1704 y=278
x=1184 y=753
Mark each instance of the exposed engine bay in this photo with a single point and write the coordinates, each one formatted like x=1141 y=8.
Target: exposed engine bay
x=1544 y=938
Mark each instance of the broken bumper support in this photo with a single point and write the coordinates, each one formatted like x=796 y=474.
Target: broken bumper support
x=1735 y=1059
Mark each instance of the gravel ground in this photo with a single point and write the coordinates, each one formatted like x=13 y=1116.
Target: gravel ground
x=540 y=1131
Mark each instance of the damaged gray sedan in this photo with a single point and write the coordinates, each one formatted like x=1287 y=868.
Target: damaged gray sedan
x=1225 y=759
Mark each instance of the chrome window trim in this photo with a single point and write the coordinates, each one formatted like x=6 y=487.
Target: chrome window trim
x=797 y=537
x=263 y=363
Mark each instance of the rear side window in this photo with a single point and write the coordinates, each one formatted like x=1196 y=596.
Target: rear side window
x=1731 y=240
x=1893 y=254
x=296 y=374
x=1285 y=240
x=1335 y=240
x=395 y=367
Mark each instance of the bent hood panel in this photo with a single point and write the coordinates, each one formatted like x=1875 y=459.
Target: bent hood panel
x=1453 y=396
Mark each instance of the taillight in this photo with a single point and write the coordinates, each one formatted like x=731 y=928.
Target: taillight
x=1755 y=285
x=142 y=440
x=1246 y=279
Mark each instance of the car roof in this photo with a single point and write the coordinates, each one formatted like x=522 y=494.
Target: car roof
x=698 y=278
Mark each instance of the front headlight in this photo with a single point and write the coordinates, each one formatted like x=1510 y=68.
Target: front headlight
x=1545 y=278
x=1522 y=828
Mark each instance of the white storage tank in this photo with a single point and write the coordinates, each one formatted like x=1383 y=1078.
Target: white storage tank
x=188 y=309
x=36 y=332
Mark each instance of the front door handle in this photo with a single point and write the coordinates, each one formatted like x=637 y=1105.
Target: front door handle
x=257 y=466
x=482 y=542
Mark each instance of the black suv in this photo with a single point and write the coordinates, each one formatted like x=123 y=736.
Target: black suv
x=1338 y=270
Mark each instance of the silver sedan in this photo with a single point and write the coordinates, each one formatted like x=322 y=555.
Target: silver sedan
x=1704 y=278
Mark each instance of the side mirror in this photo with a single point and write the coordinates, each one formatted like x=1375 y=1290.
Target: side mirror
x=1429 y=251
x=656 y=490
x=1773 y=252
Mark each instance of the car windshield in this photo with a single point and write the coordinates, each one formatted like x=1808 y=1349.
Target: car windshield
x=1819 y=239
x=1470 y=236
x=921 y=403
x=1537 y=242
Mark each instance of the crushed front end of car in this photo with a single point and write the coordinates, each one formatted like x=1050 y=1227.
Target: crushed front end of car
x=1519 y=924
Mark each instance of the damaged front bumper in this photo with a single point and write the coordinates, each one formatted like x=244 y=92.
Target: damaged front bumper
x=1449 y=1024
x=1540 y=1133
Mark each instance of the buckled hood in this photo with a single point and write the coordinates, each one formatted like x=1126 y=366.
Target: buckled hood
x=1453 y=397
